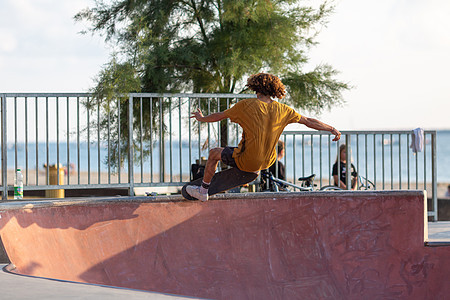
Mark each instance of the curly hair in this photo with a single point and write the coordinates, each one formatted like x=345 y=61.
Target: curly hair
x=266 y=84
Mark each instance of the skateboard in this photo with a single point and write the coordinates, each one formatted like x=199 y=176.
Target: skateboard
x=222 y=181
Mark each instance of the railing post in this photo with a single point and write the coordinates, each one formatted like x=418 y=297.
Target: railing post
x=4 y=150
x=130 y=147
x=434 y=176
x=162 y=152
x=348 y=162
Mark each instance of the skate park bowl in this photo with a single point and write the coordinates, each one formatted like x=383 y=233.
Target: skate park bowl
x=308 y=245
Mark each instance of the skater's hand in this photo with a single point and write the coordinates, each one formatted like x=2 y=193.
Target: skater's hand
x=337 y=134
x=197 y=115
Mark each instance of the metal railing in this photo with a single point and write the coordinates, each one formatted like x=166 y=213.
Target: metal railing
x=94 y=141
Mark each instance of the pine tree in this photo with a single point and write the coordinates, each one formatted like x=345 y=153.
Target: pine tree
x=211 y=46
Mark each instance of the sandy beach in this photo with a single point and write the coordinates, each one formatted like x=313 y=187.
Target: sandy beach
x=31 y=178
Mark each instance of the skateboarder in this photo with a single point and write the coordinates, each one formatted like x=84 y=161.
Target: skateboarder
x=263 y=120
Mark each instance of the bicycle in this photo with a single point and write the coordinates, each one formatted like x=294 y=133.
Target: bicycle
x=273 y=184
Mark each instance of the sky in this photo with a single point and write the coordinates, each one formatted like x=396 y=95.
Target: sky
x=395 y=54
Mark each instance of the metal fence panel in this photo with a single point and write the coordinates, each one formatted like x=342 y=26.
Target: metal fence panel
x=373 y=153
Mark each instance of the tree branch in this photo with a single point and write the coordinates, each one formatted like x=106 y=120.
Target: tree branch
x=200 y=22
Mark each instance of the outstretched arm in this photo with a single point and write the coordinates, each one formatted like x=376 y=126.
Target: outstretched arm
x=318 y=125
x=215 y=117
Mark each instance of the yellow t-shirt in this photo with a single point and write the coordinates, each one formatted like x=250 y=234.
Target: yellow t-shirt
x=263 y=124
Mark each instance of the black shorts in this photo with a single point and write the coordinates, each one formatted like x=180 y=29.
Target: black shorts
x=227 y=157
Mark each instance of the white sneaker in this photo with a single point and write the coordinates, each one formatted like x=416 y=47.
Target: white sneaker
x=194 y=191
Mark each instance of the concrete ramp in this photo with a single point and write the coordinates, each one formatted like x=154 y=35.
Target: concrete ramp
x=330 y=245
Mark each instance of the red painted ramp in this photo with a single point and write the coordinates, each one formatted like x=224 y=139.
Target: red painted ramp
x=339 y=245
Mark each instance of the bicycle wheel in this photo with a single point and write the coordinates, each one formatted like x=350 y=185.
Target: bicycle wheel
x=330 y=188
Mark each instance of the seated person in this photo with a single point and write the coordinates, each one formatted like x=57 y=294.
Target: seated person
x=342 y=179
x=281 y=169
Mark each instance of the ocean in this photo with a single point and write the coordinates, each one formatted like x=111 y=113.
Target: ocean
x=304 y=163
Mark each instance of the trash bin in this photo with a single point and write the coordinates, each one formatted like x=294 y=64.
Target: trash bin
x=53 y=180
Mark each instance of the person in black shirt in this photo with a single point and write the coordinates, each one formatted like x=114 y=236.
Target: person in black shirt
x=341 y=181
